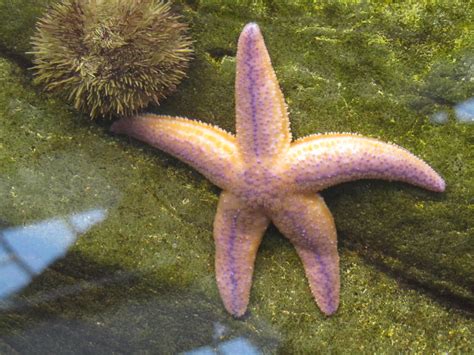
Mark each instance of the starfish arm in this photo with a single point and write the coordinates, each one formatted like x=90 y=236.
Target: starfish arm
x=261 y=117
x=307 y=222
x=208 y=149
x=317 y=162
x=238 y=231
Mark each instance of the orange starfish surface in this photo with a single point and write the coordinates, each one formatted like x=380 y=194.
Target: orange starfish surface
x=267 y=177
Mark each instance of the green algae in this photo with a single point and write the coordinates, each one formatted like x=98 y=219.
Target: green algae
x=17 y=19
x=146 y=274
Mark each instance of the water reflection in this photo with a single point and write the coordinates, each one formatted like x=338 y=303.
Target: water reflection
x=26 y=251
x=465 y=111
x=238 y=345
x=439 y=117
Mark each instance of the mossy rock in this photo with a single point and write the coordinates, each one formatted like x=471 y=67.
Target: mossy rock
x=145 y=277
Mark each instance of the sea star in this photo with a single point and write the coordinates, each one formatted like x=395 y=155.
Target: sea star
x=267 y=177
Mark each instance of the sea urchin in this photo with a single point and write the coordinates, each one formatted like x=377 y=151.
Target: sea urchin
x=111 y=57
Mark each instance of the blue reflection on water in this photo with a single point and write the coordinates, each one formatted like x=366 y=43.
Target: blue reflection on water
x=235 y=346
x=465 y=111
x=26 y=251
x=238 y=346
x=439 y=117
x=205 y=350
x=83 y=221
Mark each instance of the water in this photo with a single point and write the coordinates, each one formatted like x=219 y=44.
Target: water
x=106 y=244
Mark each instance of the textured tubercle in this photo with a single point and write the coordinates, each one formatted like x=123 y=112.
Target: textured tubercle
x=261 y=117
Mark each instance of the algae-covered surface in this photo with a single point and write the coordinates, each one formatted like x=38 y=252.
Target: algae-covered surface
x=143 y=279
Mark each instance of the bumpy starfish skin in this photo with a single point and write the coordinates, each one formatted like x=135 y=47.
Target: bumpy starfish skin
x=265 y=177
